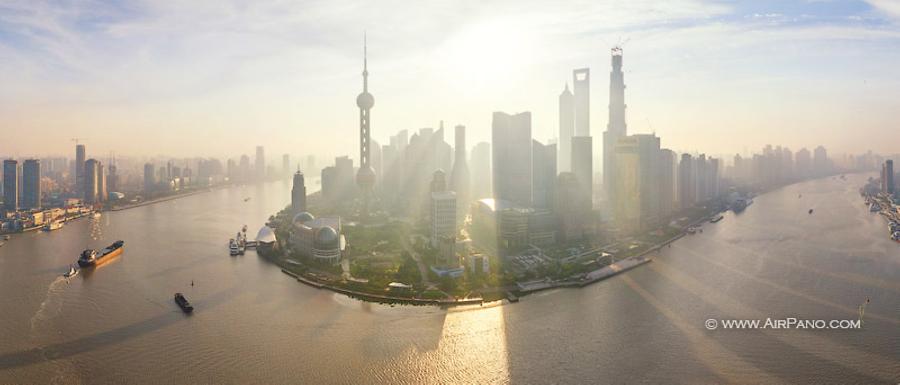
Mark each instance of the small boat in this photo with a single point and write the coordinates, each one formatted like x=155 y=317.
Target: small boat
x=71 y=273
x=692 y=230
x=247 y=199
x=810 y=211
x=6 y=237
x=716 y=219
x=183 y=303
x=233 y=247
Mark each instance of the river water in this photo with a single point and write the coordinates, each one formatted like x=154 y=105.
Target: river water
x=253 y=324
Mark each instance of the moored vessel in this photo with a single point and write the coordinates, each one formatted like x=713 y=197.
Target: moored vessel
x=55 y=225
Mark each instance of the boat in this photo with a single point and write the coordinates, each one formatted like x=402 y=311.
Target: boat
x=716 y=219
x=54 y=225
x=810 y=211
x=247 y=199
x=72 y=272
x=739 y=205
x=692 y=230
x=233 y=247
x=91 y=257
x=183 y=303
x=6 y=237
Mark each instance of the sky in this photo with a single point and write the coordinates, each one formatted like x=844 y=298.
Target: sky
x=217 y=78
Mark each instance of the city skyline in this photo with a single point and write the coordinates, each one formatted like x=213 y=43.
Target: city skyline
x=737 y=65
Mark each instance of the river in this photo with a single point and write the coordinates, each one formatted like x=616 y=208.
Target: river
x=253 y=324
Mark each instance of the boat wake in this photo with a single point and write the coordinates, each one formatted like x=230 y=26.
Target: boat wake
x=50 y=307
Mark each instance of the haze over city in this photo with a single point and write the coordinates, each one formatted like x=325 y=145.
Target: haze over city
x=215 y=78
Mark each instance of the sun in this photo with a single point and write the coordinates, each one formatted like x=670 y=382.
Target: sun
x=485 y=55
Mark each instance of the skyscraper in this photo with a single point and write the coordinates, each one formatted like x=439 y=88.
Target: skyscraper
x=821 y=165
x=667 y=174
x=149 y=178
x=511 y=138
x=543 y=169
x=10 y=185
x=583 y=168
x=459 y=178
x=112 y=179
x=286 y=165
x=260 y=163
x=91 y=181
x=687 y=184
x=443 y=216
x=616 y=128
x=637 y=182
x=365 y=177
x=31 y=184
x=566 y=129
x=79 y=168
x=298 y=193
x=481 y=171
x=582 y=97
x=887 y=177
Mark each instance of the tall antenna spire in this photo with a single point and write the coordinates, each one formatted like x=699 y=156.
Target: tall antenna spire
x=365 y=63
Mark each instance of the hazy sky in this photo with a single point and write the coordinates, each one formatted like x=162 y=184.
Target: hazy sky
x=219 y=77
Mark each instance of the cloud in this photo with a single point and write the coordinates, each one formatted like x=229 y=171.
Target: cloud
x=890 y=8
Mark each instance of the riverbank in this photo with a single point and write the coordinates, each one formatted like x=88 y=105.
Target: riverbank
x=167 y=198
x=383 y=299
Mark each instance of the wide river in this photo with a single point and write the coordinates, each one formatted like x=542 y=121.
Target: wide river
x=253 y=324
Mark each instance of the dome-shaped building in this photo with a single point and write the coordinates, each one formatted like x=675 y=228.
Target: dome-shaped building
x=301 y=218
x=317 y=238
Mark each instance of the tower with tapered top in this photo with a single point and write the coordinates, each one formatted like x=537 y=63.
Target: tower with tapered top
x=616 y=128
x=365 y=177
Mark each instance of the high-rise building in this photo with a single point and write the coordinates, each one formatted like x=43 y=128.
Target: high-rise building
x=365 y=177
x=511 y=138
x=712 y=178
x=481 y=171
x=582 y=98
x=337 y=180
x=244 y=168
x=583 y=167
x=887 y=177
x=286 y=165
x=687 y=185
x=31 y=184
x=701 y=175
x=821 y=165
x=298 y=193
x=460 y=179
x=438 y=181
x=543 y=168
x=149 y=178
x=668 y=163
x=79 y=168
x=637 y=182
x=616 y=128
x=803 y=167
x=260 y=163
x=112 y=179
x=102 y=192
x=91 y=186
x=443 y=216
x=566 y=129
x=571 y=208
x=10 y=185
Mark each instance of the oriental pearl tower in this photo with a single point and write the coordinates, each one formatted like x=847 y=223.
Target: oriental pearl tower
x=365 y=177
